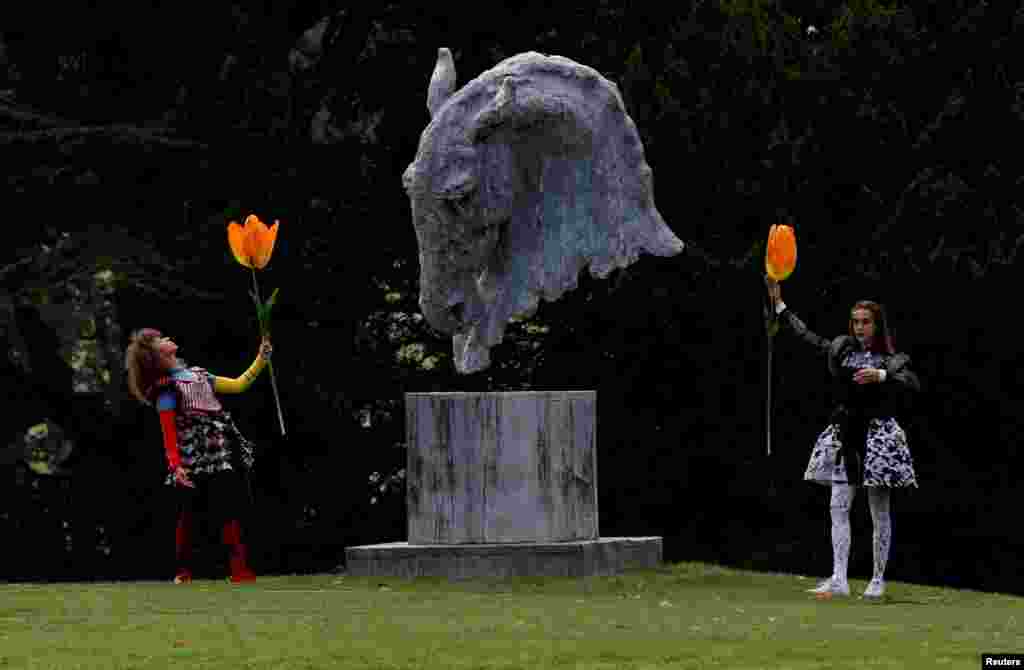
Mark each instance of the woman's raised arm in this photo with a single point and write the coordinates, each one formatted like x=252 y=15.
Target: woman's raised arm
x=790 y=320
x=242 y=383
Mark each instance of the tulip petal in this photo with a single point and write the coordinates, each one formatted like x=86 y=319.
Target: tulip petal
x=252 y=239
x=268 y=241
x=259 y=237
x=768 y=266
x=253 y=242
x=237 y=242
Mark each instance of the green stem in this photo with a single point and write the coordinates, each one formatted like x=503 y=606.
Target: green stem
x=270 y=365
x=768 y=403
x=259 y=300
x=768 y=406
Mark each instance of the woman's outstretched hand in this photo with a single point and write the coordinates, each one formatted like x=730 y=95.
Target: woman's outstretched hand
x=867 y=376
x=181 y=478
x=265 y=348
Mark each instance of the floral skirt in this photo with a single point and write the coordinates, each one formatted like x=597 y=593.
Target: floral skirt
x=887 y=461
x=209 y=442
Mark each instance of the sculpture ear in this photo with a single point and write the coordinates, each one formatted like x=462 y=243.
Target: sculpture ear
x=442 y=82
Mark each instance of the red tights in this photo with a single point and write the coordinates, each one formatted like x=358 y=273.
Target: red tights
x=231 y=535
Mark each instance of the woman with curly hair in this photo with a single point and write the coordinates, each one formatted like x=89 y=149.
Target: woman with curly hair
x=206 y=453
x=863 y=445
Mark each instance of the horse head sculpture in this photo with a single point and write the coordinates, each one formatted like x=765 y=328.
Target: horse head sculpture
x=526 y=175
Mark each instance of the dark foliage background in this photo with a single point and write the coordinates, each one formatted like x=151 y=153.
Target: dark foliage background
x=131 y=134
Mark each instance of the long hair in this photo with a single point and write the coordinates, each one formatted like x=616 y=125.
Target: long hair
x=142 y=361
x=882 y=340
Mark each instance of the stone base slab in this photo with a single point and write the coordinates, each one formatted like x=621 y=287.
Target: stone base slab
x=585 y=558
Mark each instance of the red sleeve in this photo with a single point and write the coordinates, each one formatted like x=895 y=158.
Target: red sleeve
x=170 y=438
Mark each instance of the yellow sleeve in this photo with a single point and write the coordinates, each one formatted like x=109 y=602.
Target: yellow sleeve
x=228 y=385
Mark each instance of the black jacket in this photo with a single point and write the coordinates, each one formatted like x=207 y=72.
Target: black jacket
x=857 y=403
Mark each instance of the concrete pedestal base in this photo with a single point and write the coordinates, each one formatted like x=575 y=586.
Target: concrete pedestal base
x=584 y=558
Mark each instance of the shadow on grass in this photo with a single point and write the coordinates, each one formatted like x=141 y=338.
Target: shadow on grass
x=894 y=601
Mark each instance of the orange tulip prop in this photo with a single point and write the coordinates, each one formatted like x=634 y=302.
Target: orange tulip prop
x=779 y=262
x=780 y=256
x=252 y=246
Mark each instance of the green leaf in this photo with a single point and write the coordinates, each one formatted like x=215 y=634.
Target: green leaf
x=271 y=301
x=263 y=312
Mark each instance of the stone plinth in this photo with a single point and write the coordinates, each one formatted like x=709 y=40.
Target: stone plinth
x=502 y=485
x=501 y=467
x=602 y=557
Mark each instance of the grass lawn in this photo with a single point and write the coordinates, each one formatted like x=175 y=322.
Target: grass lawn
x=685 y=615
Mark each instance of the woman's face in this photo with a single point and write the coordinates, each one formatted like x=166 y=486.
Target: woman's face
x=167 y=349
x=863 y=325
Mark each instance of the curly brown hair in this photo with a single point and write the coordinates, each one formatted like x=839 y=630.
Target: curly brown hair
x=882 y=340
x=142 y=361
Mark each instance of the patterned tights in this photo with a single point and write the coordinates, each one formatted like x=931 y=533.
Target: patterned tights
x=842 y=499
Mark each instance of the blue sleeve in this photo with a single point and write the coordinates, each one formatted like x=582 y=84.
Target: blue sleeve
x=166 y=400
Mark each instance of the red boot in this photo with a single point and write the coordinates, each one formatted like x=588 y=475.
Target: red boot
x=183 y=548
x=240 y=571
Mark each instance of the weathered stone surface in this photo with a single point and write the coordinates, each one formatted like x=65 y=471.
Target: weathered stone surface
x=501 y=467
x=526 y=175
x=584 y=558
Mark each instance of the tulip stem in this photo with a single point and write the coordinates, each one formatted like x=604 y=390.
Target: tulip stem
x=768 y=403
x=768 y=408
x=270 y=365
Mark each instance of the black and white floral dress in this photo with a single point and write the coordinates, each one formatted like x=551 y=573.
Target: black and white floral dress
x=879 y=450
x=887 y=459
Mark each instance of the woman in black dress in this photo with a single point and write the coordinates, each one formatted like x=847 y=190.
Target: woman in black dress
x=863 y=444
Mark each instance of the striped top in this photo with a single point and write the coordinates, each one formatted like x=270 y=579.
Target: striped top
x=195 y=388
